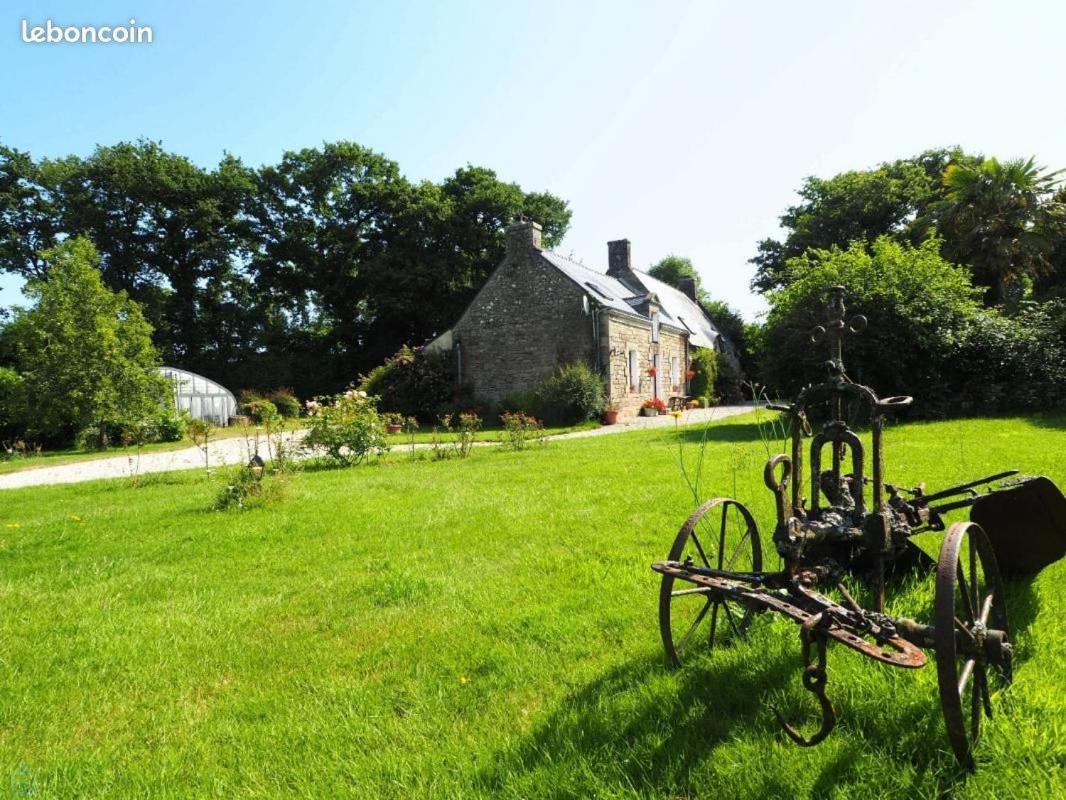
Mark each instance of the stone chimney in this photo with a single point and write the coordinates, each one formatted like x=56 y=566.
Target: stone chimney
x=688 y=288
x=620 y=266
x=523 y=236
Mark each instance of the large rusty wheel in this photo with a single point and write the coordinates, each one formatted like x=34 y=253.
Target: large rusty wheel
x=971 y=634
x=720 y=534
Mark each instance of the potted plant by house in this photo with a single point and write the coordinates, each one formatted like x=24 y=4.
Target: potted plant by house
x=393 y=422
x=652 y=407
x=610 y=414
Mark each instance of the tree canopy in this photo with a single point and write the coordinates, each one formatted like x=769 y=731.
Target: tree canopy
x=83 y=353
x=303 y=273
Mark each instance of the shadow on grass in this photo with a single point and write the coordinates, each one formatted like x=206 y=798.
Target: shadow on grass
x=643 y=727
x=640 y=738
x=721 y=432
x=1055 y=420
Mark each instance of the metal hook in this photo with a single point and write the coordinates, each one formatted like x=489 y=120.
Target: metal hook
x=814 y=680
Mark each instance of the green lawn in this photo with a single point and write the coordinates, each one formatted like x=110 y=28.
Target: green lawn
x=471 y=628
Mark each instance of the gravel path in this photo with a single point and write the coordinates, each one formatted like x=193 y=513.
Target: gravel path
x=235 y=451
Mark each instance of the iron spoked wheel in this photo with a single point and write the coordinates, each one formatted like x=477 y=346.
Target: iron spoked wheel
x=971 y=634
x=720 y=534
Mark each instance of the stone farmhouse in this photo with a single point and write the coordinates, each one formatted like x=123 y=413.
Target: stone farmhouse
x=539 y=310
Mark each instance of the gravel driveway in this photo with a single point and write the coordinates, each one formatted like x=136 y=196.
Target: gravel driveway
x=235 y=451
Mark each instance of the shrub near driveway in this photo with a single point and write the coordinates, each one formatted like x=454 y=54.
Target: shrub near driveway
x=347 y=427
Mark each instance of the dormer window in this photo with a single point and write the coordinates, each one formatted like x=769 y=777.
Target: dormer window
x=654 y=326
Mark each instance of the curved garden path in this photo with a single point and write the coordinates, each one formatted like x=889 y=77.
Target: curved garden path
x=235 y=451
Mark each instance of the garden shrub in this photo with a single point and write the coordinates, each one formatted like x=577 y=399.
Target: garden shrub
x=704 y=365
x=1010 y=363
x=412 y=382
x=521 y=402
x=460 y=431
x=347 y=428
x=260 y=411
x=728 y=381
x=521 y=429
x=169 y=426
x=917 y=304
x=573 y=394
x=286 y=402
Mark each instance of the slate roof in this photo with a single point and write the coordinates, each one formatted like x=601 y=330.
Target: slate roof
x=676 y=309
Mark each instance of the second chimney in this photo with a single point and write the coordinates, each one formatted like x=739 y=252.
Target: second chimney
x=688 y=288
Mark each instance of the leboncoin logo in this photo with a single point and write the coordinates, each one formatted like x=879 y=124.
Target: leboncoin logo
x=51 y=33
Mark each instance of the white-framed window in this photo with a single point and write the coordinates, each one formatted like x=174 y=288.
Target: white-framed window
x=655 y=326
x=675 y=372
x=634 y=371
x=657 y=381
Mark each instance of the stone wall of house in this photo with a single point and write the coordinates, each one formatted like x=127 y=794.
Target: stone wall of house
x=526 y=321
x=625 y=333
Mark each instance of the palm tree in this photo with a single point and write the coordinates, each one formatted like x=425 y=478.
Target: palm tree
x=991 y=219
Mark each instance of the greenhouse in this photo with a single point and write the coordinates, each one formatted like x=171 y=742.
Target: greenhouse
x=201 y=397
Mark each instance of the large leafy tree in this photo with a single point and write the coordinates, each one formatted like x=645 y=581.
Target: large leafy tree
x=894 y=200
x=918 y=306
x=84 y=353
x=996 y=218
x=674 y=269
x=166 y=230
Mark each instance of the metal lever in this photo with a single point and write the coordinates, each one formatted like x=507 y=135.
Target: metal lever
x=814 y=680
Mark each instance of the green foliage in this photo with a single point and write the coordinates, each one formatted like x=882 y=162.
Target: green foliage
x=918 y=306
x=286 y=402
x=347 y=428
x=573 y=394
x=673 y=269
x=85 y=353
x=412 y=382
x=729 y=381
x=522 y=402
x=170 y=426
x=247 y=486
x=259 y=410
x=994 y=218
x=521 y=430
x=13 y=407
x=704 y=362
x=893 y=199
x=456 y=435
x=308 y=271
x=1004 y=363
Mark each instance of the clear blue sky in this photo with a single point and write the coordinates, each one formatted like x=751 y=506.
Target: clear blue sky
x=685 y=127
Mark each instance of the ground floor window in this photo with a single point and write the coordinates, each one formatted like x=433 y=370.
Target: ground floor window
x=634 y=371
x=675 y=373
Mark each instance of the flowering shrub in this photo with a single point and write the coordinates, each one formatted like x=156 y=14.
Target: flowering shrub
x=654 y=402
x=346 y=427
x=521 y=429
x=412 y=382
x=462 y=428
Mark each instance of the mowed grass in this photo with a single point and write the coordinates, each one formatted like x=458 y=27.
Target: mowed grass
x=479 y=628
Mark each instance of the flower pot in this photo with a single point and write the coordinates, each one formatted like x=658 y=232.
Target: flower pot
x=610 y=417
x=650 y=412
x=393 y=427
